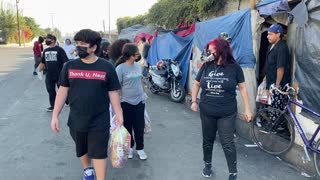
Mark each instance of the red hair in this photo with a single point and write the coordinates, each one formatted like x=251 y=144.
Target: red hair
x=223 y=51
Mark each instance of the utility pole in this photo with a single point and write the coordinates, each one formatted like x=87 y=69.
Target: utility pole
x=109 y=23
x=18 y=22
x=52 y=21
x=104 y=27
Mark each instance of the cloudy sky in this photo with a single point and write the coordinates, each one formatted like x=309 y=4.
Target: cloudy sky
x=72 y=15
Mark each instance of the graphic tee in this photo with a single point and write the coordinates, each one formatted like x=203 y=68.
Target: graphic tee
x=54 y=58
x=88 y=93
x=130 y=80
x=218 y=84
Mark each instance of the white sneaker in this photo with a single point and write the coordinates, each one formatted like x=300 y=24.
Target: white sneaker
x=142 y=154
x=130 y=154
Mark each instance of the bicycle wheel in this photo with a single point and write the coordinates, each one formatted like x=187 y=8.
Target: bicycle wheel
x=316 y=158
x=273 y=131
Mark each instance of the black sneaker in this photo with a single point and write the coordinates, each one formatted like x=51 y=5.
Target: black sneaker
x=207 y=171
x=35 y=73
x=233 y=176
x=49 y=109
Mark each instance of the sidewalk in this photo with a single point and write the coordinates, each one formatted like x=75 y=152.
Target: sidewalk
x=29 y=149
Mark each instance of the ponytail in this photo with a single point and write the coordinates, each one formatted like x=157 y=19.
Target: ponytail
x=120 y=61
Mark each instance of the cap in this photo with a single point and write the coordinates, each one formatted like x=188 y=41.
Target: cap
x=276 y=28
x=50 y=36
x=225 y=36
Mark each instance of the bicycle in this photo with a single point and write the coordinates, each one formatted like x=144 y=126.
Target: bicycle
x=273 y=130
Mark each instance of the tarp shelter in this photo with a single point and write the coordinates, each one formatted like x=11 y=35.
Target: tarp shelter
x=172 y=46
x=307 y=52
x=131 y=32
x=138 y=37
x=238 y=26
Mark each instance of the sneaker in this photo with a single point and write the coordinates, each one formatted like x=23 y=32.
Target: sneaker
x=49 y=109
x=142 y=154
x=233 y=176
x=207 y=171
x=35 y=73
x=88 y=173
x=130 y=154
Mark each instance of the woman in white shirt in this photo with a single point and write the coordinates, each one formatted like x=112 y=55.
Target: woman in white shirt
x=69 y=49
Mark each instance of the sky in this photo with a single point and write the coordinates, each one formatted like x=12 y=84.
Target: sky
x=72 y=15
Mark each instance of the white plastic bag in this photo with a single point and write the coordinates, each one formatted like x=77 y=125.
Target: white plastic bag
x=40 y=75
x=147 y=122
x=263 y=94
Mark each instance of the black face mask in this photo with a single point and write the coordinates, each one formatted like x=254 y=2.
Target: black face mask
x=82 y=52
x=138 y=58
x=48 y=43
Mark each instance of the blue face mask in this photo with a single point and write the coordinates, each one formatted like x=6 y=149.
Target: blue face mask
x=82 y=52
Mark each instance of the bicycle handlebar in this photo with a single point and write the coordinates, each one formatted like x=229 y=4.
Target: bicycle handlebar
x=286 y=92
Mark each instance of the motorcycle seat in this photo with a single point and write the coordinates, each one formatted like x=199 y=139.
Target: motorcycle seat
x=162 y=73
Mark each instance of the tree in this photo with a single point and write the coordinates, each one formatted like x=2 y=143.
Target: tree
x=56 y=32
x=170 y=13
x=34 y=27
x=8 y=25
x=125 y=22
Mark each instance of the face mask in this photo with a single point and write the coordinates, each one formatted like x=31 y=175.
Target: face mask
x=138 y=58
x=210 y=57
x=48 y=43
x=82 y=52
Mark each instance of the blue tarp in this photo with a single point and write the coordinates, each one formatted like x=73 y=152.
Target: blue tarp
x=238 y=26
x=273 y=7
x=172 y=46
x=266 y=2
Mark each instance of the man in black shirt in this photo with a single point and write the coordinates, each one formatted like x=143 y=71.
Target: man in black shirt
x=53 y=59
x=277 y=65
x=278 y=60
x=91 y=84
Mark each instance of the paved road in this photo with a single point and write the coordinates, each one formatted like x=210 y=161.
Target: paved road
x=29 y=150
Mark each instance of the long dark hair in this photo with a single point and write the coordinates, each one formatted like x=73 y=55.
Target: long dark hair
x=115 y=49
x=128 y=50
x=104 y=47
x=223 y=51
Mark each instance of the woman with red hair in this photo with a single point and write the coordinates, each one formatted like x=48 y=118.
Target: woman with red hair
x=218 y=79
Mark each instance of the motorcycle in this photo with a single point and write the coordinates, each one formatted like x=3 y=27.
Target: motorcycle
x=165 y=77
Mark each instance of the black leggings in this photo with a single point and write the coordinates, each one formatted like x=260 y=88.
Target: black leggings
x=226 y=128
x=133 y=116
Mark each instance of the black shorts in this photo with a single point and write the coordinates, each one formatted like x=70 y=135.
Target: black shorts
x=95 y=143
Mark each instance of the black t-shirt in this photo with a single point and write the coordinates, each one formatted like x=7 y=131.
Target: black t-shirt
x=54 y=58
x=88 y=93
x=278 y=57
x=218 y=84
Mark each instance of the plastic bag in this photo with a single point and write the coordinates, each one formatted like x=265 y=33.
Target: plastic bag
x=119 y=146
x=112 y=122
x=147 y=122
x=263 y=94
x=40 y=75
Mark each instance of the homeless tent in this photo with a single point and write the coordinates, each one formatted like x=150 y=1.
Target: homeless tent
x=131 y=32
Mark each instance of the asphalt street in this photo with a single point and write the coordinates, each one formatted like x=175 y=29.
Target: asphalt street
x=30 y=150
